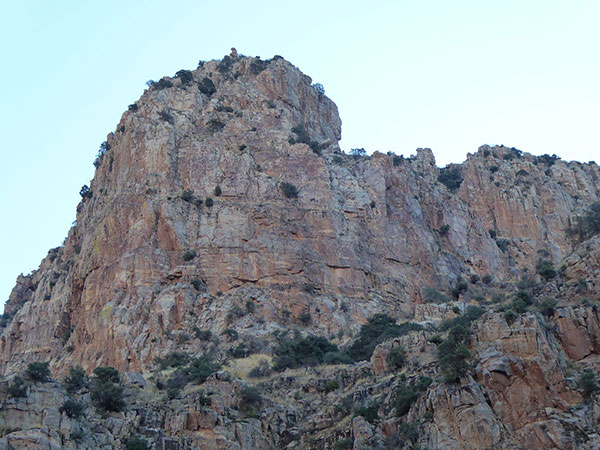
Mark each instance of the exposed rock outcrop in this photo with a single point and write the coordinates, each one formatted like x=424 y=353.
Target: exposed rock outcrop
x=223 y=202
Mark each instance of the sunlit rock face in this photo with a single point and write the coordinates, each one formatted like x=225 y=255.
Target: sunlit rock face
x=224 y=188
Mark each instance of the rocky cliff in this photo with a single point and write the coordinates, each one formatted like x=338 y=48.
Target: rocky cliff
x=222 y=203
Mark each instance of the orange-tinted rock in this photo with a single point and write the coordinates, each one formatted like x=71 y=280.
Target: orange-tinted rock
x=150 y=262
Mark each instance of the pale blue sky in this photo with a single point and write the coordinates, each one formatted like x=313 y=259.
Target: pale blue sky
x=447 y=75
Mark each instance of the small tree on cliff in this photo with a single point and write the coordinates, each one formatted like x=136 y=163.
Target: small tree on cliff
x=76 y=380
x=587 y=383
x=106 y=392
x=546 y=269
x=453 y=358
x=378 y=328
x=453 y=354
x=588 y=224
x=289 y=190
x=38 y=371
x=85 y=192
x=451 y=177
x=358 y=152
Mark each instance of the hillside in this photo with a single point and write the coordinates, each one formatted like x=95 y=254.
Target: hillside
x=224 y=226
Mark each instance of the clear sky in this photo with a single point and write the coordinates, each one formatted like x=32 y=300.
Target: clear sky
x=449 y=75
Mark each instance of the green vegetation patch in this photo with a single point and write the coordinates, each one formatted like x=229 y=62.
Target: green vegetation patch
x=379 y=328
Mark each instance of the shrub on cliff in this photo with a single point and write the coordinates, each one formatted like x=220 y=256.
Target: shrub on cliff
x=197 y=371
x=546 y=307
x=234 y=313
x=226 y=64
x=106 y=393
x=510 y=316
x=173 y=393
x=589 y=223
x=396 y=358
x=5 y=319
x=38 y=371
x=245 y=348
x=344 y=444
x=331 y=385
x=72 y=408
x=339 y=357
x=305 y=318
x=187 y=195
x=518 y=305
x=405 y=397
x=345 y=405
x=159 y=85
x=453 y=360
x=432 y=295
x=368 y=412
x=319 y=88
x=378 y=328
x=407 y=433
x=301 y=134
x=188 y=255
x=85 y=192
x=214 y=125
x=185 y=76
x=444 y=230
x=163 y=83
x=76 y=380
x=207 y=87
x=502 y=244
x=257 y=66
x=166 y=116
x=17 y=388
x=136 y=444
x=474 y=312
x=173 y=359
x=460 y=287
x=547 y=159
x=423 y=382
x=289 y=190
x=303 y=138
x=250 y=400
x=201 y=368
x=231 y=334
x=453 y=354
x=451 y=178
x=512 y=154
x=358 y=152
x=397 y=160
x=203 y=335
x=197 y=283
x=545 y=269
x=263 y=369
x=104 y=147
x=107 y=396
x=299 y=352
x=106 y=374
x=588 y=383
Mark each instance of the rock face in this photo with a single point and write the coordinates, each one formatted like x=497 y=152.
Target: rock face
x=224 y=189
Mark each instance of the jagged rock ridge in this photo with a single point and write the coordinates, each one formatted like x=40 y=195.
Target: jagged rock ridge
x=188 y=217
